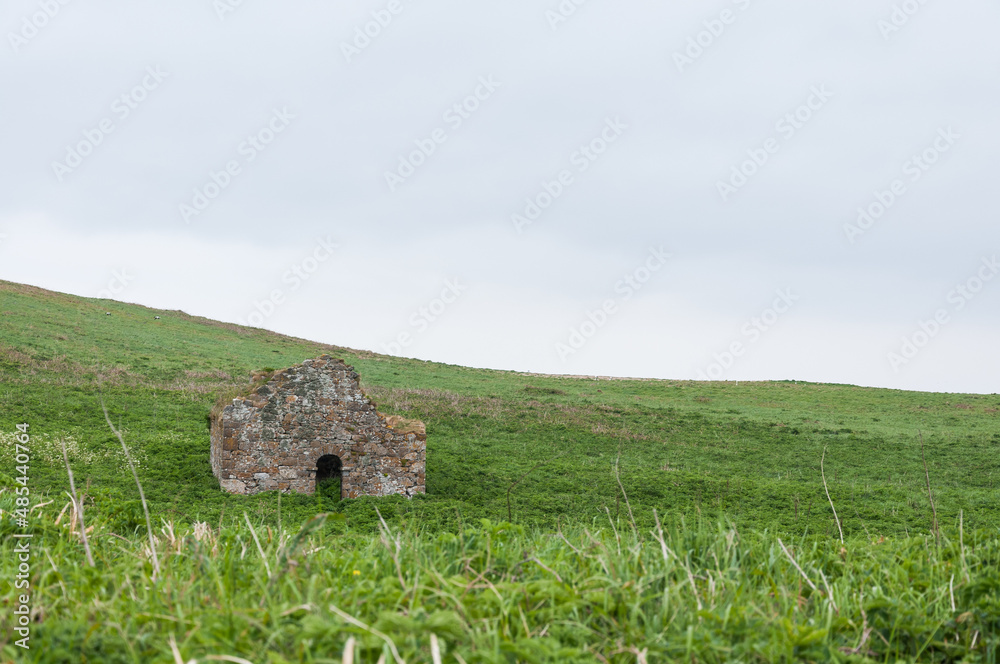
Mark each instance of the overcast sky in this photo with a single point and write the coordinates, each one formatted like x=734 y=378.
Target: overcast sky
x=735 y=190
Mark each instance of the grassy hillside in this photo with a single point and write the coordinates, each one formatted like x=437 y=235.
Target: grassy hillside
x=751 y=566
x=749 y=451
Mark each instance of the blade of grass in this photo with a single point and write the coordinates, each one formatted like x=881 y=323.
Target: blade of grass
x=792 y=560
x=827 y=489
x=930 y=496
x=260 y=549
x=78 y=504
x=142 y=496
x=371 y=630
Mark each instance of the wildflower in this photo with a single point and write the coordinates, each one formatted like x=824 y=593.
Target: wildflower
x=357 y=573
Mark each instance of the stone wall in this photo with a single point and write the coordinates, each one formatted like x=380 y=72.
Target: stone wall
x=273 y=438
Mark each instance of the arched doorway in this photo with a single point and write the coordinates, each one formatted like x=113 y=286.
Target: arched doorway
x=328 y=475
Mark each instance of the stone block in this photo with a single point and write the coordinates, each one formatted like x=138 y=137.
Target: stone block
x=234 y=486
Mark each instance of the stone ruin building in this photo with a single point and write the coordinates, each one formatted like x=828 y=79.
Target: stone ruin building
x=309 y=423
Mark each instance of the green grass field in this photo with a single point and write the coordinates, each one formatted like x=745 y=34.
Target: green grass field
x=571 y=569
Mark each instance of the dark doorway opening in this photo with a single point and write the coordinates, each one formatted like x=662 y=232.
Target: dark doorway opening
x=328 y=476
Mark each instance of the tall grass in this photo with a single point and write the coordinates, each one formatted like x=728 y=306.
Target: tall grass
x=496 y=592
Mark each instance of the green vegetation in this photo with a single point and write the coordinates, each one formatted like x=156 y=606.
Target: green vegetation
x=494 y=592
x=739 y=464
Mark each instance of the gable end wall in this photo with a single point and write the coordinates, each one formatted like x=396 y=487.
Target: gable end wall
x=273 y=438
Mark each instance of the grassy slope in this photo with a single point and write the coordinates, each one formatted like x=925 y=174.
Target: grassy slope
x=490 y=591
x=750 y=452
